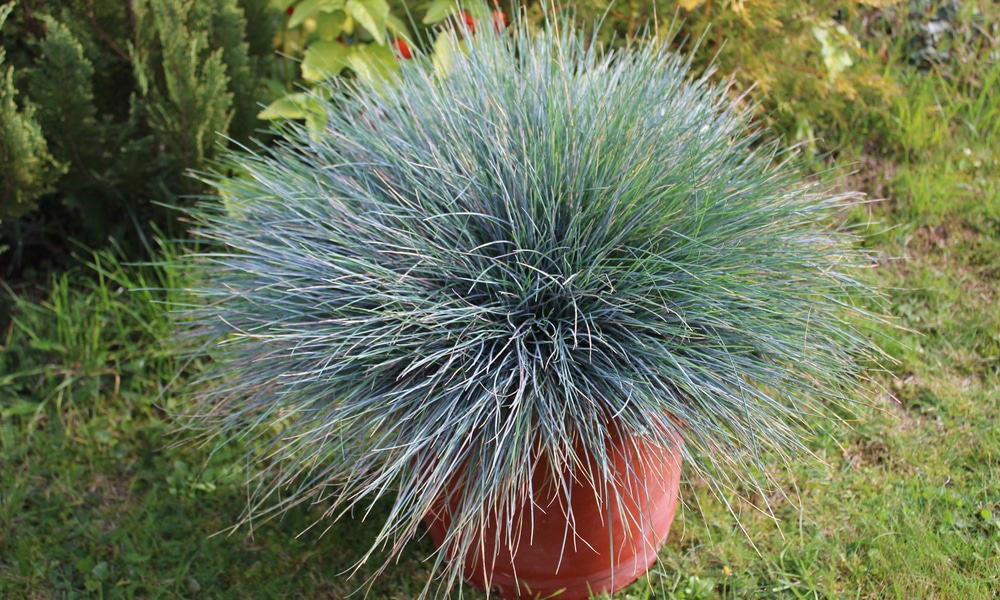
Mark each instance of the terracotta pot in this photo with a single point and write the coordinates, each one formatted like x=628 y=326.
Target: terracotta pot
x=605 y=550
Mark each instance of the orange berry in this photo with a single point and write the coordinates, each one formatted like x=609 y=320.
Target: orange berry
x=402 y=49
x=470 y=23
x=499 y=20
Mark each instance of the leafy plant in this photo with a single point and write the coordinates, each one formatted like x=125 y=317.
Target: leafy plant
x=512 y=259
x=321 y=39
x=693 y=588
x=801 y=63
x=362 y=38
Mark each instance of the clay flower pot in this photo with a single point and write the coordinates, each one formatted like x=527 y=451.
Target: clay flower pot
x=576 y=540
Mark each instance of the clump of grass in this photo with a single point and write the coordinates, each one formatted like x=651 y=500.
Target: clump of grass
x=99 y=334
x=517 y=258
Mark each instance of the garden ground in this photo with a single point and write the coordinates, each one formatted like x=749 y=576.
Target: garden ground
x=900 y=500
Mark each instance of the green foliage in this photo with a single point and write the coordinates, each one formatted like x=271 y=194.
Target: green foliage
x=367 y=39
x=129 y=97
x=26 y=166
x=522 y=254
x=98 y=336
x=65 y=78
x=333 y=35
x=800 y=63
x=96 y=500
x=190 y=103
x=62 y=85
x=321 y=39
x=196 y=76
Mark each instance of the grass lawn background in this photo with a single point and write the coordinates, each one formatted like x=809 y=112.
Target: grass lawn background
x=900 y=501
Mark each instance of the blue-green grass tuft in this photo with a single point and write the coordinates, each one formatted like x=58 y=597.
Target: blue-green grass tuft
x=512 y=259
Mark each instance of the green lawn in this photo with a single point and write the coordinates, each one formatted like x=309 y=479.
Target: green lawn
x=902 y=500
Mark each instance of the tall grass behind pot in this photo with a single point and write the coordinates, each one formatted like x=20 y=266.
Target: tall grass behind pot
x=503 y=260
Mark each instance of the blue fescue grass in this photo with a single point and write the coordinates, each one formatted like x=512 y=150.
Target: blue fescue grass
x=519 y=257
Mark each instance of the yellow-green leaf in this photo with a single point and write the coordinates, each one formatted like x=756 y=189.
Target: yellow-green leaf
x=834 y=44
x=315 y=123
x=445 y=47
x=324 y=59
x=310 y=8
x=371 y=14
x=292 y=106
x=438 y=11
x=398 y=27
x=373 y=63
x=330 y=24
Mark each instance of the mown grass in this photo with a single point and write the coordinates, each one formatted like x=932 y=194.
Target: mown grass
x=902 y=501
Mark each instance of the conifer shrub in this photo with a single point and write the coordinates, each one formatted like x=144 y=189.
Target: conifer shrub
x=26 y=166
x=126 y=98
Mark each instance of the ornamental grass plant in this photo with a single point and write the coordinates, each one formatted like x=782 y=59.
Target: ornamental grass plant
x=511 y=255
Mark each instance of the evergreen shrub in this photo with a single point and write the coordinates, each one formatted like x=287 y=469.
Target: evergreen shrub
x=26 y=166
x=113 y=102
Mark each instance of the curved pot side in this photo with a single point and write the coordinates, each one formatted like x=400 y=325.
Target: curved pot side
x=605 y=550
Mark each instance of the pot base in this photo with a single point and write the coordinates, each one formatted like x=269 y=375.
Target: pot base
x=605 y=549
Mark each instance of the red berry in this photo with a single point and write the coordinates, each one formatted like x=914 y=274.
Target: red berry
x=499 y=20
x=290 y=10
x=403 y=49
x=470 y=23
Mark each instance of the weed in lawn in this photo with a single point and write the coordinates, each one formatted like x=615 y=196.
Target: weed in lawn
x=95 y=337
